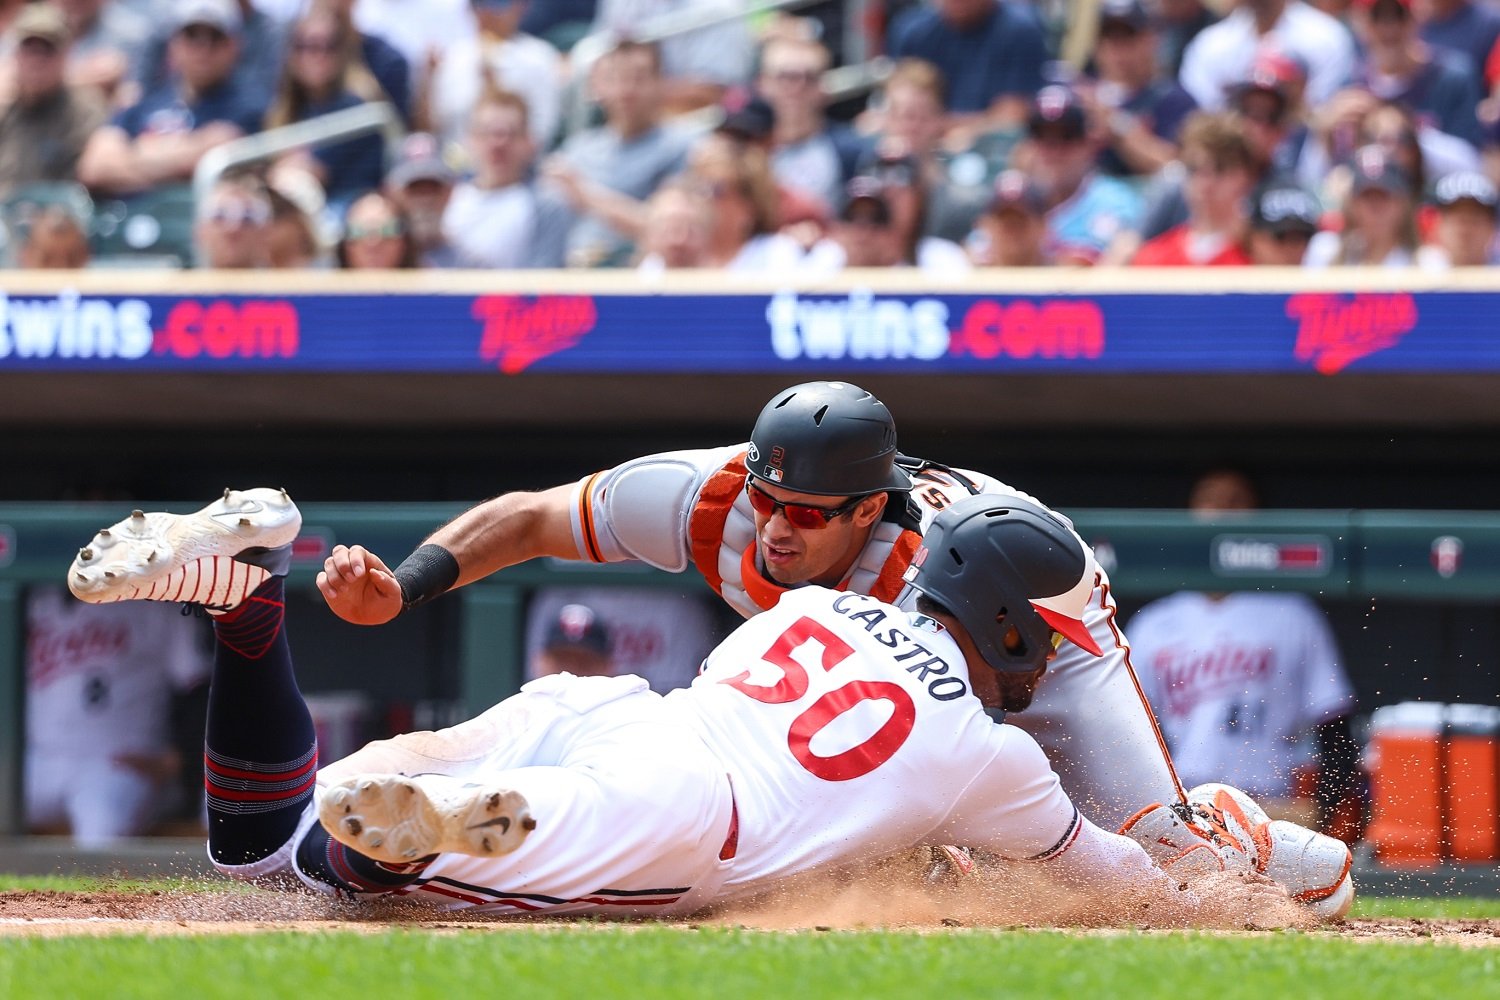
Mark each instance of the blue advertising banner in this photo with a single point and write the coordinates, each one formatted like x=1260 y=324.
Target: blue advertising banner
x=1249 y=332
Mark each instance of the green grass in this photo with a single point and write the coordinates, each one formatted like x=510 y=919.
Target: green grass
x=673 y=962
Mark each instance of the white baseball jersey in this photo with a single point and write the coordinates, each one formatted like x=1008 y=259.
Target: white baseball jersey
x=659 y=634
x=99 y=677
x=1239 y=682
x=99 y=681
x=688 y=509
x=832 y=729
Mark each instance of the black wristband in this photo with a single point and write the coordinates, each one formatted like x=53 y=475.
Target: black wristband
x=427 y=574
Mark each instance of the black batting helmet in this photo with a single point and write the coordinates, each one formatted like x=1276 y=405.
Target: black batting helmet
x=1000 y=562
x=828 y=439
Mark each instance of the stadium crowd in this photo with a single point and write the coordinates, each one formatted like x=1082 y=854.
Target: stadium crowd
x=546 y=133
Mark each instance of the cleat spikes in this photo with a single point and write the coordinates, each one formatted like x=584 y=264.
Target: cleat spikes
x=85 y=554
x=244 y=522
x=527 y=823
x=137 y=515
x=227 y=491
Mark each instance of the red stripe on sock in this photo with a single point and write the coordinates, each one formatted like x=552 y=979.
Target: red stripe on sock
x=238 y=795
x=234 y=772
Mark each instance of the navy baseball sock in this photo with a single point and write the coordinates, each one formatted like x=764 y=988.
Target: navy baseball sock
x=260 y=752
x=321 y=857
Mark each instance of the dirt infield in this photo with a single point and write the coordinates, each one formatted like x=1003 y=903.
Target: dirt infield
x=39 y=913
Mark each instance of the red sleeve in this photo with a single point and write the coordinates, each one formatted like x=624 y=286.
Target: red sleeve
x=1164 y=251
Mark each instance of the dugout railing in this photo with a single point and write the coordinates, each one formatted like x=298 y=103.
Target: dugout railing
x=1441 y=558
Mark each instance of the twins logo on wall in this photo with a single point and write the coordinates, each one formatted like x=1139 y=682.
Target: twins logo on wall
x=520 y=330
x=1334 y=331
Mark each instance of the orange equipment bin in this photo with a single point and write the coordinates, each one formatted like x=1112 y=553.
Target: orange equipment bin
x=1435 y=783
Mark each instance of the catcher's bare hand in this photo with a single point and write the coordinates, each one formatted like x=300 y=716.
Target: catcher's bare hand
x=359 y=587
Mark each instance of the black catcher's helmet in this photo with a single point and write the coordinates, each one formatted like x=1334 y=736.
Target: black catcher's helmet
x=1001 y=563
x=828 y=439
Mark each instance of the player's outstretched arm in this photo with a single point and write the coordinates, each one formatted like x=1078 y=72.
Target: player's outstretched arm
x=360 y=588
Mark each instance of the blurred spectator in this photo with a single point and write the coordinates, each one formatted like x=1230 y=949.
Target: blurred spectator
x=234 y=225
x=45 y=127
x=54 y=239
x=1220 y=172
x=375 y=236
x=1463 y=26
x=292 y=241
x=421 y=185
x=161 y=138
x=1271 y=103
x=1248 y=686
x=912 y=121
x=420 y=30
x=697 y=66
x=743 y=236
x=906 y=188
x=384 y=61
x=1380 y=227
x=808 y=154
x=1271 y=112
x=863 y=234
x=1284 y=219
x=500 y=217
x=323 y=75
x=1436 y=83
x=1178 y=22
x=110 y=47
x=499 y=57
x=679 y=219
x=577 y=642
x=1466 y=205
x=263 y=50
x=1222 y=54
x=608 y=172
x=1424 y=153
x=990 y=53
x=1130 y=102
x=110 y=691
x=1012 y=231
x=1087 y=210
x=653 y=633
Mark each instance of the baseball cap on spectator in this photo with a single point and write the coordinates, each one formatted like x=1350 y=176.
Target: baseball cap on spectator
x=1131 y=14
x=1056 y=110
x=1274 y=73
x=1282 y=207
x=752 y=121
x=1465 y=185
x=1375 y=170
x=1014 y=191
x=865 y=201
x=577 y=627
x=419 y=159
x=1401 y=7
x=221 y=14
x=41 y=20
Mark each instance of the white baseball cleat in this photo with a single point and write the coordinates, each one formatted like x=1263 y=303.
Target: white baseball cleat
x=214 y=557
x=398 y=819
